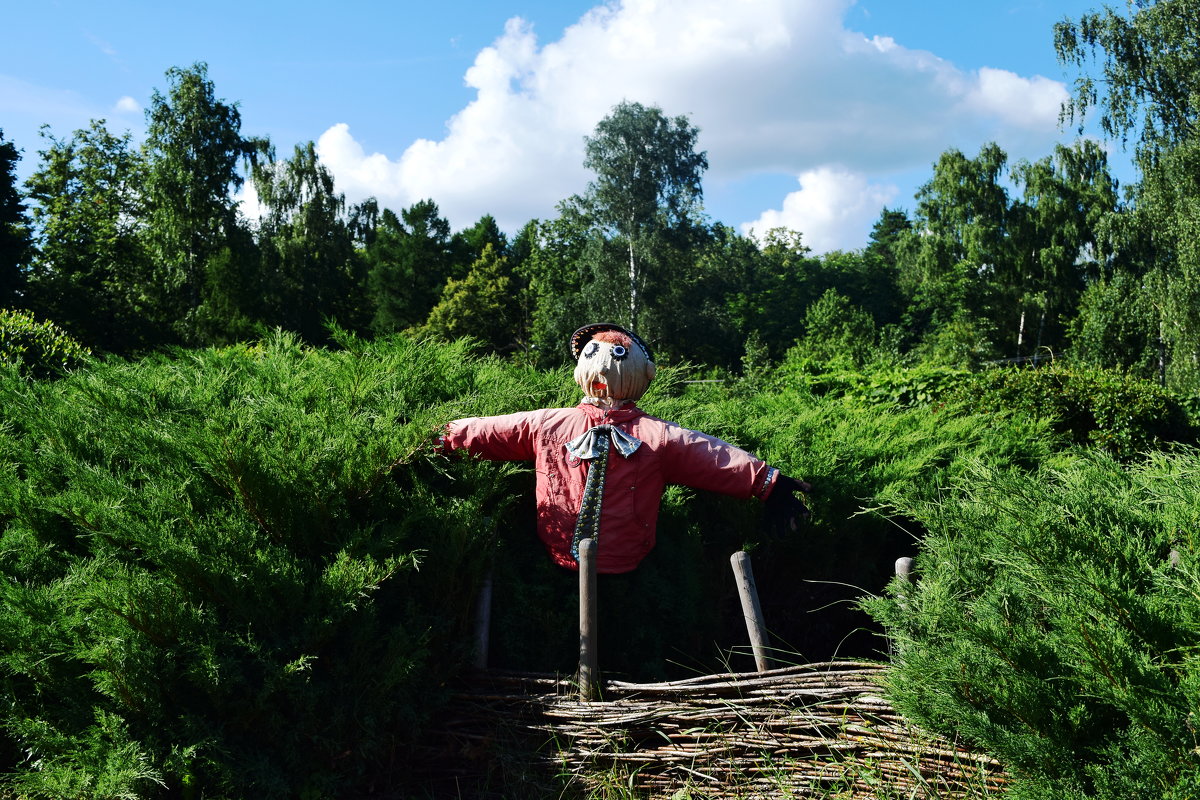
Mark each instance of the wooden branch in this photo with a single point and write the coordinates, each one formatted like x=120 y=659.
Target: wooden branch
x=800 y=729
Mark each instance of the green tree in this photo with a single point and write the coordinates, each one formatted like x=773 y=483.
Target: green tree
x=1168 y=207
x=310 y=268
x=470 y=243
x=837 y=331
x=193 y=150
x=1116 y=325
x=90 y=271
x=956 y=260
x=1057 y=243
x=767 y=287
x=482 y=305
x=552 y=278
x=14 y=229
x=1149 y=73
x=881 y=267
x=647 y=188
x=363 y=221
x=1148 y=90
x=408 y=263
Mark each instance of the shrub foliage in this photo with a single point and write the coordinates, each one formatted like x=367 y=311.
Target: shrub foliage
x=39 y=349
x=241 y=571
x=219 y=569
x=1051 y=624
x=1103 y=408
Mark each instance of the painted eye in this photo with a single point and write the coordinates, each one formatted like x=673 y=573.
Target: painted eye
x=591 y=349
x=618 y=352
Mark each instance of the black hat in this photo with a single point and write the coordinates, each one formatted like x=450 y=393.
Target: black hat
x=584 y=335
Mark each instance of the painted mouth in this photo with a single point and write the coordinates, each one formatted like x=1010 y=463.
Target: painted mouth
x=599 y=386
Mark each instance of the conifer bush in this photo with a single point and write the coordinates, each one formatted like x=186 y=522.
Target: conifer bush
x=37 y=348
x=238 y=572
x=858 y=455
x=1090 y=406
x=1051 y=625
x=242 y=572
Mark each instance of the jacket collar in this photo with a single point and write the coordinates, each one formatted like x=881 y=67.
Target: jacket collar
x=598 y=415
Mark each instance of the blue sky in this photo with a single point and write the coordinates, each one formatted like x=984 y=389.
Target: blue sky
x=814 y=113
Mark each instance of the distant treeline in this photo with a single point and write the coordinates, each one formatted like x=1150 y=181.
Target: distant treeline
x=133 y=248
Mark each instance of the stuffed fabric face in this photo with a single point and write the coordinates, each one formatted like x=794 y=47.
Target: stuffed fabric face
x=613 y=368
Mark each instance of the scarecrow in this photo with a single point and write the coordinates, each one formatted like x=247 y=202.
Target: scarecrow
x=602 y=466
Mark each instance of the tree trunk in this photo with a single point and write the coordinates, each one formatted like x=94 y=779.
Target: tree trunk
x=633 y=293
x=1041 y=330
x=1162 y=355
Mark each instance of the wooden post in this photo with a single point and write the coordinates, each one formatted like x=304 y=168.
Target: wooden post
x=904 y=568
x=904 y=571
x=483 y=622
x=751 y=609
x=589 y=673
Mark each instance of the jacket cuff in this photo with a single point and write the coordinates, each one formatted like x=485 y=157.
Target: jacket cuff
x=763 y=490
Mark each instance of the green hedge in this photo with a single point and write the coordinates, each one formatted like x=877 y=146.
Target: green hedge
x=891 y=385
x=856 y=454
x=240 y=573
x=1087 y=406
x=234 y=572
x=38 y=349
x=1049 y=626
x=1104 y=408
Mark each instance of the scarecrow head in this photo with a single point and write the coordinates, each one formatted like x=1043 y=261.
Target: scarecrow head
x=612 y=363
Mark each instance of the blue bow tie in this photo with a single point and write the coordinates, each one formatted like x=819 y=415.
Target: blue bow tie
x=590 y=445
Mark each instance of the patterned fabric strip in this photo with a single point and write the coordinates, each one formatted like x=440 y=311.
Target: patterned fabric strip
x=768 y=476
x=593 y=446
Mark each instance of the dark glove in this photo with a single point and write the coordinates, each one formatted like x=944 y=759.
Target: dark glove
x=785 y=509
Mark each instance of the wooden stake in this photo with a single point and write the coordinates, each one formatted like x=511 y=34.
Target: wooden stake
x=589 y=673
x=751 y=609
x=904 y=571
x=483 y=622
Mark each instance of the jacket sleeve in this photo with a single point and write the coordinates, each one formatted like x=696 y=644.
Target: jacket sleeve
x=508 y=437
x=695 y=459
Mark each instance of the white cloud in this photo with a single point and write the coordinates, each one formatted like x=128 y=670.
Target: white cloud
x=833 y=209
x=357 y=174
x=102 y=46
x=248 y=204
x=1025 y=102
x=127 y=105
x=775 y=86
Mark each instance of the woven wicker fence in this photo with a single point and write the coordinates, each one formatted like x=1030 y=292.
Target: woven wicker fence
x=821 y=730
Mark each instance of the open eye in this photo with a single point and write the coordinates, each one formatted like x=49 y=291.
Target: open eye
x=591 y=349
x=618 y=352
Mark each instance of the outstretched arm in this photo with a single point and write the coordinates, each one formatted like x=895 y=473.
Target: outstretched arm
x=704 y=462
x=508 y=437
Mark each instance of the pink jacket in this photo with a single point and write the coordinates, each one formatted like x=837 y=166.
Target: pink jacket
x=634 y=485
